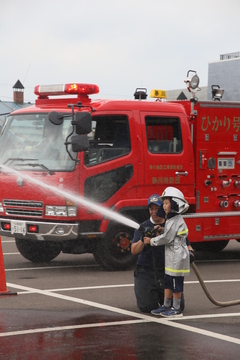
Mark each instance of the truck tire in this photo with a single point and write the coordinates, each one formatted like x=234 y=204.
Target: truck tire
x=38 y=251
x=212 y=246
x=114 y=251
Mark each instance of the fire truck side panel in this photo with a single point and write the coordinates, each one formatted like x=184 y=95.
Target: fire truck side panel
x=217 y=157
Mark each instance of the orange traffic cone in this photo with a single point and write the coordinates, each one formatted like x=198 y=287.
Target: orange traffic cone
x=3 y=286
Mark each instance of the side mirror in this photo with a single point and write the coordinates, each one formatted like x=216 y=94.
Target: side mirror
x=83 y=123
x=55 y=118
x=79 y=143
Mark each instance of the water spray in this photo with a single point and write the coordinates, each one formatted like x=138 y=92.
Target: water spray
x=75 y=198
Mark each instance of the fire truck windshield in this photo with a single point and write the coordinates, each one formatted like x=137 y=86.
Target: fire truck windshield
x=30 y=142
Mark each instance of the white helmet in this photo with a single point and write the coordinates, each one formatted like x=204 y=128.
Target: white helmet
x=177 y=196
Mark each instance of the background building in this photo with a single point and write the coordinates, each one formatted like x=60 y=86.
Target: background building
x=225 y=73
x=18 y=102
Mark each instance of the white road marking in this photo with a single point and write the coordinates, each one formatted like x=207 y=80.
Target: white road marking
x=7 y=241
x=13 y=253
x=212 y=281
x=83 y=288
x=52 y=267
x=71 y=327
x=139 y=316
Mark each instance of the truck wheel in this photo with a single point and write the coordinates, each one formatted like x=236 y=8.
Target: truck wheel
x=213 y=246
x=114 y=251
x=38 y=251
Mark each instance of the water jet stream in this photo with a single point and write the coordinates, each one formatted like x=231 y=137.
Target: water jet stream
x=75 y=198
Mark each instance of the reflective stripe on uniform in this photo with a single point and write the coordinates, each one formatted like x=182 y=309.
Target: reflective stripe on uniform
x=184 y=232
x=177 y=271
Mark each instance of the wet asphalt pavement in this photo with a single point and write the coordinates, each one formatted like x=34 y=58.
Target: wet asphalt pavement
x=72 y=309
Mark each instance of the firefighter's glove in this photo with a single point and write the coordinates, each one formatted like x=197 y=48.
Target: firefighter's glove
x=148 y=232
x=192 y=256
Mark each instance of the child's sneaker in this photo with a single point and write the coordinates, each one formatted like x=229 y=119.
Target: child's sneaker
x=160 y=310
x=172 y=313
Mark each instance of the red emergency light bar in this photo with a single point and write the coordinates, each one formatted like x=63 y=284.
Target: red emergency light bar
x=66 y=89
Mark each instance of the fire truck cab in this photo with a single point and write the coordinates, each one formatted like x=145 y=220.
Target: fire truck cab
x=115 y=153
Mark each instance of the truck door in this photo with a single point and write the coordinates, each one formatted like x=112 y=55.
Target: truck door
x=168 y=153
x=109 y=173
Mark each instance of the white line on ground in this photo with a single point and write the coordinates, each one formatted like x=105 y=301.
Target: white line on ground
x=52 y=267
x=13 y=253
x=82 y=288
x=147 y=318
x=71 y=327
x=7 y=241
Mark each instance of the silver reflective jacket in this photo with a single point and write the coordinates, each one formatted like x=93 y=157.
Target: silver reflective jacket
x=177 y=261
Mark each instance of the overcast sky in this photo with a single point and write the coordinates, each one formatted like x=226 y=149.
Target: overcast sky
x=118 y=45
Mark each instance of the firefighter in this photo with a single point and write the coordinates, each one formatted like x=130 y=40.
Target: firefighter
x=177 y=258
x=149 y=271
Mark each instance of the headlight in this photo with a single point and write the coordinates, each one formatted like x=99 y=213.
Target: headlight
x=55 y=210
x=60 y=210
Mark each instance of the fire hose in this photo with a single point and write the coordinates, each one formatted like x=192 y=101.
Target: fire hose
x=215 y=302
x=146 y=231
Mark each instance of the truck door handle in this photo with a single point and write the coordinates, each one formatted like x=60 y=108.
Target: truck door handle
x=181 y=173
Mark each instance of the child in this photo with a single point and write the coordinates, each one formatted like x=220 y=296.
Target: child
x=177 y=263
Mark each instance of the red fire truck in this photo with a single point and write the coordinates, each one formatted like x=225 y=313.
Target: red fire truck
x=133 y=148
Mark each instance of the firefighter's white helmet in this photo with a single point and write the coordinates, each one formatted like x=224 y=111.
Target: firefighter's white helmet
x=177 y=196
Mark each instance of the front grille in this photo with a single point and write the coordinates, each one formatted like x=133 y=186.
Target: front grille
x=23 y=212
x=22 y=207
x=25 y=203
